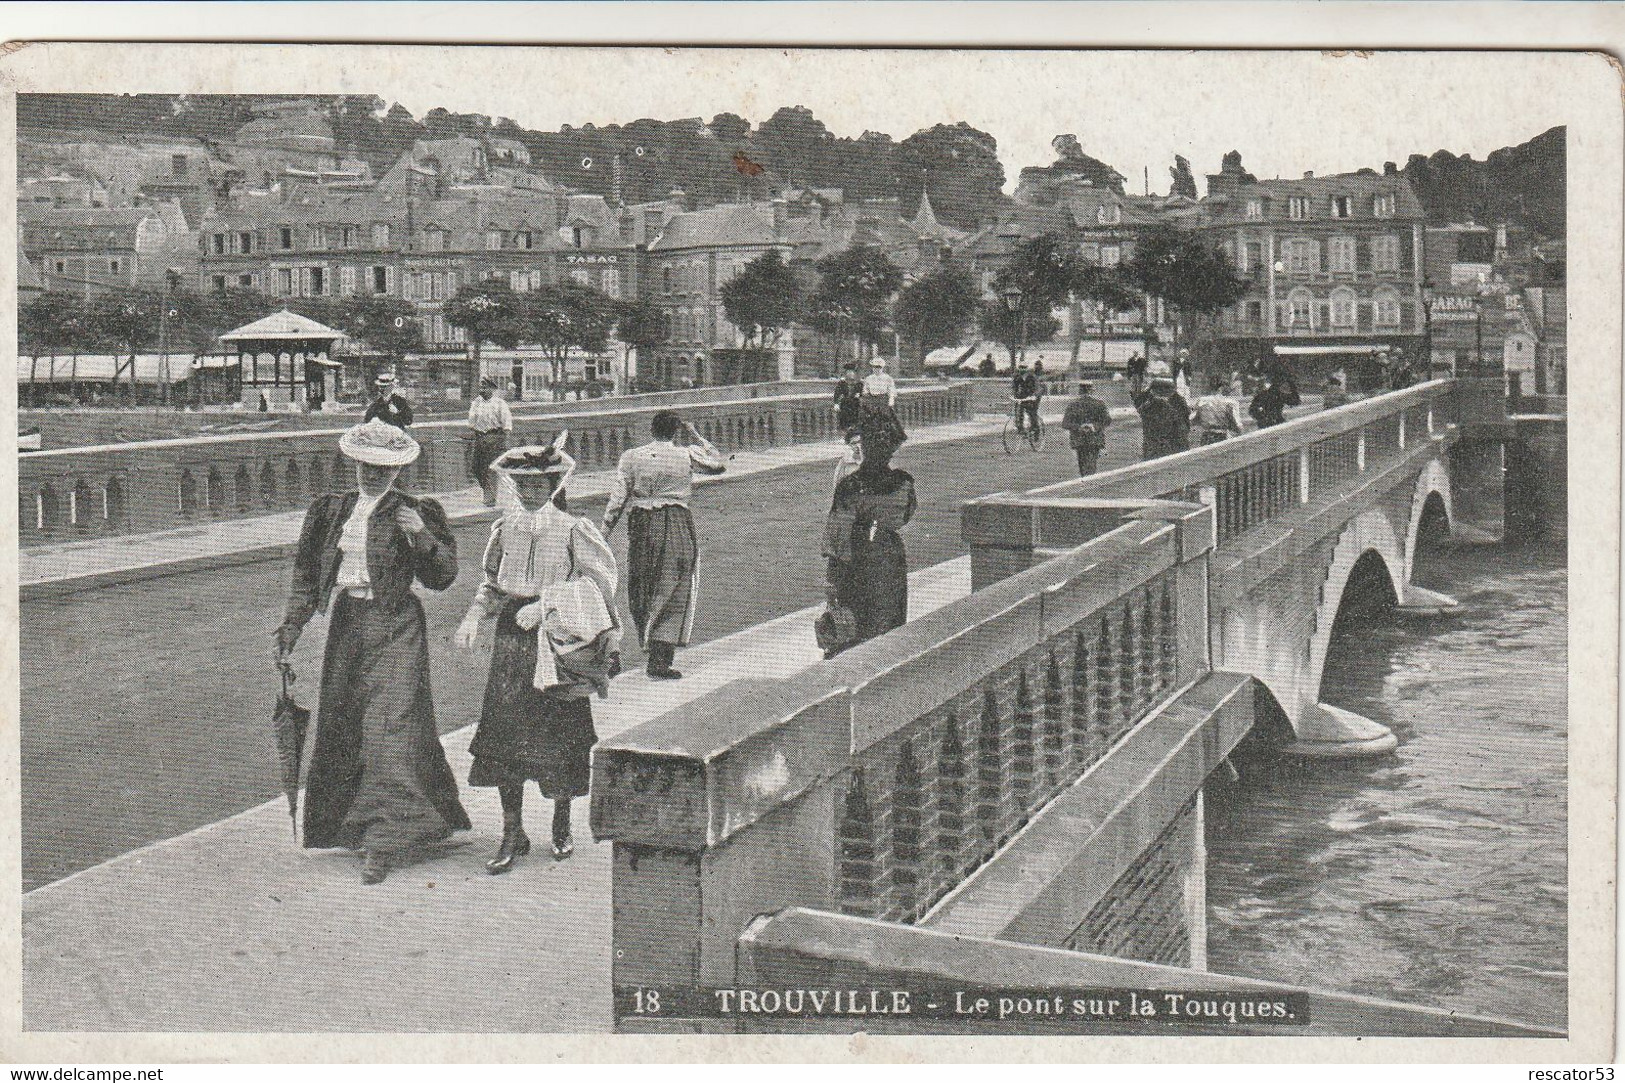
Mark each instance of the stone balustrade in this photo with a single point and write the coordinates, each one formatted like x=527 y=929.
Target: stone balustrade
x=1249 y=481
x=878 y=783
x=164 y=484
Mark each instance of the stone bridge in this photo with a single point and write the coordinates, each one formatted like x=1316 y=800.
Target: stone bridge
x=1009 y=791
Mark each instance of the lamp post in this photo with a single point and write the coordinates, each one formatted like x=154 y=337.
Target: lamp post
x=1428 y=297
x=1012 y=295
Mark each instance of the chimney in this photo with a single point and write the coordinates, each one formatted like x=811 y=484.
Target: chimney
x=677 y=196
x=1389 y=169
x=1501 y=239
x=781 y=211
x=1308 y=174
x=615 y=180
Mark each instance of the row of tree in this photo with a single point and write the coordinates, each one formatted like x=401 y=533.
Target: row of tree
x=859 y=296
x=181 y=321
x=557 y=318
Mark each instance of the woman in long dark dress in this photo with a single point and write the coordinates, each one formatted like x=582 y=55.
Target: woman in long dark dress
x=867 y=569
x=378 y=780
x=549 y=580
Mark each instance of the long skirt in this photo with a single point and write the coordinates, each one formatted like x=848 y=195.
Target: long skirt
x=662 y=588
x=378 y=777
x=875 y=585
x=529 y=735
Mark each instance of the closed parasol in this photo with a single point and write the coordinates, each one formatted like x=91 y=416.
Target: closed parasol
x=290 y=722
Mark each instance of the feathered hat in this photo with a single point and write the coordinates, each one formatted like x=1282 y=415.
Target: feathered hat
x=379 y=443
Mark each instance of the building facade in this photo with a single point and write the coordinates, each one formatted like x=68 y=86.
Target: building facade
x=93 y=250
x=1334 y=267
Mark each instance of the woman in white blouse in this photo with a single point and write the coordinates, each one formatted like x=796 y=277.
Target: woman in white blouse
x=550 y=581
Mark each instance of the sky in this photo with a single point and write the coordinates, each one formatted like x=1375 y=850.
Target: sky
x=1286 y=113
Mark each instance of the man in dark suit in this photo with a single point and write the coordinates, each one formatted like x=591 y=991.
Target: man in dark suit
x=1085 y=422
x=386 y=404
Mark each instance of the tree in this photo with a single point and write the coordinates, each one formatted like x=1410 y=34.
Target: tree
x=1189 y=275
x=639 y=324
x=388 y=325
x=487 y=311
x=936 y=310
x=51 y=322
x=967 y=178
x=730 y=127
x=1110 y=291
x=1047 y=273
x=1014 y=329
x=855 y=288
x=761 y=300
x=566 y=316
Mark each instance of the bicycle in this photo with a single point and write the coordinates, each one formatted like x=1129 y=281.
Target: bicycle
x=1014 y=433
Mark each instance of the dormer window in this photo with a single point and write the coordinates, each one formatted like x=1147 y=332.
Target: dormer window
x=1255 y=208
x=1382 y=206
x=1297 y=207
x=1108 y=214
x=1342 y=207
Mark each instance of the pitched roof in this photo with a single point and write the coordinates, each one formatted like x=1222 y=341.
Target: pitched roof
x=925 y=221
x=282 y=325
x=27 y=277
x=730 y=224
x=1319 y=189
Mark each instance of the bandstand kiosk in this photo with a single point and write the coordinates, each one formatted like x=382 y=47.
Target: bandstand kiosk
x=287 y=358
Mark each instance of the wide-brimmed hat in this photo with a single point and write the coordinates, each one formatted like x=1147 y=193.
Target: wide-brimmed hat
x=1159 y=370
x=877 y=362
x=537 y=459
x=384 y=379
x=486 y=381
x=378 y=443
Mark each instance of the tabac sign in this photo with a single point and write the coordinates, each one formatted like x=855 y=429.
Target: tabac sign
x=592 y=257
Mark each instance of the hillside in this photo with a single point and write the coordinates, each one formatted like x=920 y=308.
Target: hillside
x=728 y=157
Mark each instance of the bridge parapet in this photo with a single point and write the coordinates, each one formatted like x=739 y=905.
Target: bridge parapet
x=877 y=783
x=804 y=948
x=164 y=484
x=1248 y=481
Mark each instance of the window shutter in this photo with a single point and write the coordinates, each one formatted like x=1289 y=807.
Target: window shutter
x=1325 y=314
x=1362 y=253
x=1365 y=315
x=1319 y=251
x=1405 y=261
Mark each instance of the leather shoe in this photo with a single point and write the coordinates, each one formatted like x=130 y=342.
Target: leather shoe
x=515 y=845
x=374 y=868
x=563 y=848
x=664 y=673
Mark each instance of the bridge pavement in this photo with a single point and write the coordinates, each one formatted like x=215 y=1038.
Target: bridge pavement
x=122 y=945
x=145 y=704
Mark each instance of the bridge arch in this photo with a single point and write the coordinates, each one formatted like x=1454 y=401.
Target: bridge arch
x=1430 y=500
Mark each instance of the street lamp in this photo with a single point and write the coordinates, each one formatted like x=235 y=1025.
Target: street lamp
x=1011 y=295
x=1428 y=298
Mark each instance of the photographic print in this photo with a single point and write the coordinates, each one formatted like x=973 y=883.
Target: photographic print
x=645 y=542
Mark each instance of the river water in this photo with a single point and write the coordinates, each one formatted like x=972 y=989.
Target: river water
x=1437 y=875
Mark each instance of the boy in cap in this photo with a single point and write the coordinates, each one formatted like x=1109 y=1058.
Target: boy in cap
x=1085 y=423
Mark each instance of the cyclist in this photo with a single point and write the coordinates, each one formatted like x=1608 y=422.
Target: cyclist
x=1025 y=390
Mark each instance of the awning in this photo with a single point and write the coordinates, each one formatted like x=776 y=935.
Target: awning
x=150 y=368
x=946 y=357
x=1305 y=351
x=283 y=326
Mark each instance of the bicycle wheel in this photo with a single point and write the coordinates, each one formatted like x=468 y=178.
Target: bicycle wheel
x=1035 y=436
x=1009 y=437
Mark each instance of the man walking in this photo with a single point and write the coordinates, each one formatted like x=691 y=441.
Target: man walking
x=656 y=481
x=386 y=405
x=1085 y=423
x=491 y=422
x=848 y=390
x=1216 y=415
x=1268 y=407
x=1024 y=389
x=1165 y=418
